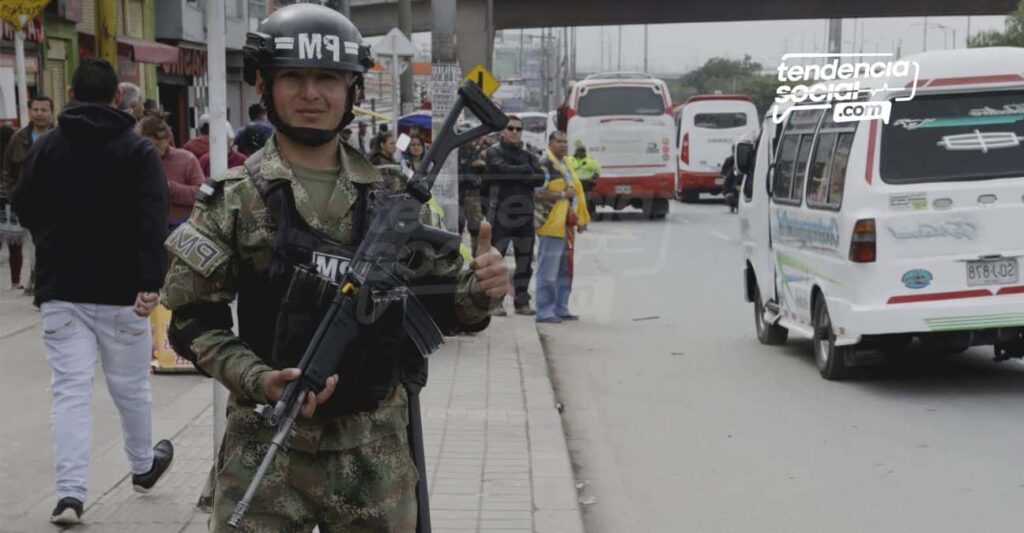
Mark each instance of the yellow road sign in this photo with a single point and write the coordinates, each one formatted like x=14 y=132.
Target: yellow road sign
x=483 y=77
x=11 y=10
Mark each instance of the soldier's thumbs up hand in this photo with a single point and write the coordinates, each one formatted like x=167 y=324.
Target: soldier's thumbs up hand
x=489 y=267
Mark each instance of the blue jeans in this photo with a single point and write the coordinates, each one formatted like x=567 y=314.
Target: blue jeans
x=553 y=287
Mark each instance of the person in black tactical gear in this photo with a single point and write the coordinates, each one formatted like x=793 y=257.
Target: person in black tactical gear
x=279 y=233
x=511 y=176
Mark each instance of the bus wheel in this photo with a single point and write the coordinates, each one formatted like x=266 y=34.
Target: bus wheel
x=831 y=359
x=770 y=334
x=660 y=207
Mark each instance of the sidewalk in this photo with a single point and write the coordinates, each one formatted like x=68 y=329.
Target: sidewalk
x=496 y=454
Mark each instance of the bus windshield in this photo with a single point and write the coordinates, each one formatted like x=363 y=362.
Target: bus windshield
x=603 y=101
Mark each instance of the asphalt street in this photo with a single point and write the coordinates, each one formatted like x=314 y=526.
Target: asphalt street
x=678 y=420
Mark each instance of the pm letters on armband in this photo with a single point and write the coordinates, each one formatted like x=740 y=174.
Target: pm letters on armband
x=197 y=251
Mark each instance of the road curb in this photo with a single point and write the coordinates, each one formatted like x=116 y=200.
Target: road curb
x=556 y=505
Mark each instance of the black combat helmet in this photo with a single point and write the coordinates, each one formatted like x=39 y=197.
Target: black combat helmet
x=306 y=36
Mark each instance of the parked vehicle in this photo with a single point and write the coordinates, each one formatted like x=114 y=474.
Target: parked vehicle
x=707 y=127
x=868 y=235
x=625 y=121
x=535 y=127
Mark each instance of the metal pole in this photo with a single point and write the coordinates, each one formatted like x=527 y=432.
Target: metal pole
x=346 y=8
x=216 y=72
x=396 y=99
x=106 y=31
x=619 y=43
x=645 y=48
x=19 y=65
x=924 y=46
x=522 y=38
x=407 y=81
x=444 y=82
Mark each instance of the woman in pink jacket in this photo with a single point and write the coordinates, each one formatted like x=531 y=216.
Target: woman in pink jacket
x=184 y=176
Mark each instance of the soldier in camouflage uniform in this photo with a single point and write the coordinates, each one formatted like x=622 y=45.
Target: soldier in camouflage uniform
x=347 y=465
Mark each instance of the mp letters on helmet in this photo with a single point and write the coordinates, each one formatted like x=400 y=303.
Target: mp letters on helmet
x=314 y=45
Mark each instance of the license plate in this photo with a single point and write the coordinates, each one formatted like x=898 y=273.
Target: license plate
x=623 y=189
x=719 y=181
x=997 y=272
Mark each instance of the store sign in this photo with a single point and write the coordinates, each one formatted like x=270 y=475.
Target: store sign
x=33 y=31
x=191 y=62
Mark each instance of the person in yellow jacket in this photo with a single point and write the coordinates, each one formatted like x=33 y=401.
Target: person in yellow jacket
x=559 y=210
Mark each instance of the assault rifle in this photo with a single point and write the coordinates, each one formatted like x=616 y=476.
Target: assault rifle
x=376 y=281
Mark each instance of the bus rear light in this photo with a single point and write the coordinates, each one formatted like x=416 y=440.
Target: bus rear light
x=862 y=244
x=684 y=149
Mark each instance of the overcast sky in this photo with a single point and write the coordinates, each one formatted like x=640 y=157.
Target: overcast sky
x=677 y=48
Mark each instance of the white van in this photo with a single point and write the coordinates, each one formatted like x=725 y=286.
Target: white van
x=867 y=235
x=707 y=127
x=625 y=121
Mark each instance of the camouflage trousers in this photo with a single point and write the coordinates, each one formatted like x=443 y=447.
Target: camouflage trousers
x=471 y=210
x=369 y=488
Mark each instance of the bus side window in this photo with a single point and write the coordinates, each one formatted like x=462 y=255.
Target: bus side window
x=783 y=178
x=748 y=181
x=818 y=174
x=838 y=171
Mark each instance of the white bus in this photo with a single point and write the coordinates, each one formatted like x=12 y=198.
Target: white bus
x=625 y=121
x=865 y=235
x=709 y=125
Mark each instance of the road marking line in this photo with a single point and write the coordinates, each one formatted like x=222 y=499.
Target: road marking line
x=722 y=236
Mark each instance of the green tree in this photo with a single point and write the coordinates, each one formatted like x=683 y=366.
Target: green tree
x=1012 y=35
x=730 y=76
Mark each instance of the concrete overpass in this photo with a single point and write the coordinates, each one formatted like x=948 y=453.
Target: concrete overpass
x=475 y=38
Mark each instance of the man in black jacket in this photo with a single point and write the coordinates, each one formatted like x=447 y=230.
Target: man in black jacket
x=511 y=176
x=94 y=195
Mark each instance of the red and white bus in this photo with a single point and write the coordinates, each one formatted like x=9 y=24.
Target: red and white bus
x=709 y=125
x=625 y=121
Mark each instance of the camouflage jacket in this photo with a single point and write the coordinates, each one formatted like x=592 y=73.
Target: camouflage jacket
x=234 y=226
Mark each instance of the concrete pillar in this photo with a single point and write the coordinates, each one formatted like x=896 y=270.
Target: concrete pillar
x=444 y=83
x=106 y=31
x=408 y=99
x=474 y=31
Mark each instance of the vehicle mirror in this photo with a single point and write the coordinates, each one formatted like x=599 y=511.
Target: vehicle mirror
x=403 y=142
x=561 y=120
x=744 y=157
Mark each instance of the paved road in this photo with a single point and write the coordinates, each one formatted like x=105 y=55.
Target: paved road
x=680 y=421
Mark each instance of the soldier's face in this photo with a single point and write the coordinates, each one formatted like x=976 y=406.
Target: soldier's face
x=311 y=98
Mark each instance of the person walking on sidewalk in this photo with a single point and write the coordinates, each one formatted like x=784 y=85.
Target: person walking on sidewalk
x=40 y=122
x=94 y=196
x=200 y=144
x=560 y=210
x=511 y=175
x=184 y=175
x=302 y=204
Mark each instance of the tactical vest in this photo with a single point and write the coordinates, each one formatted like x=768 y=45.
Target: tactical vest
x=280 y=309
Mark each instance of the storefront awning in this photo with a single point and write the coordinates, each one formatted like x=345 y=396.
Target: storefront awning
x=138 y=50
x=149 y=51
